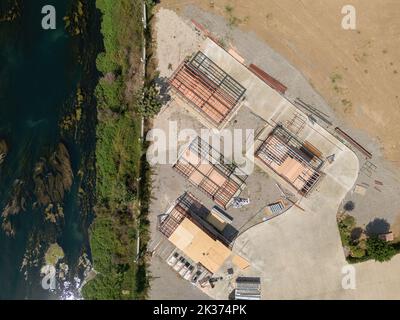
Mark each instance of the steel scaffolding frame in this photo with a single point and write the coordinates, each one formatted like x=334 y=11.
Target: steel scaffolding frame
x=207 y=87
x=234 y=177
x=187 y=206
x=280 y=145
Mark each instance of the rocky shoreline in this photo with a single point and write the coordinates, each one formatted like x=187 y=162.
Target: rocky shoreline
x=52 y=178
x=49 y=182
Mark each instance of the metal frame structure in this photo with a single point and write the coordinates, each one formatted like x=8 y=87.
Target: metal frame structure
x=280 y=145
x=368 y=168
x=207 y=87
x=215 y=165
x=187 y=206
x=297 y=123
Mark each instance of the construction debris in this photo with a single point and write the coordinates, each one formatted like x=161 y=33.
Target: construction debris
x=360 y=189
x=240 y=202
x=387 y=236
x=331 y=158
x=354 y=143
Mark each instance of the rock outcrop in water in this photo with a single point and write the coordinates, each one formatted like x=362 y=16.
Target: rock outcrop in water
x=3 y=150
x=14 y=206
x=53 y=177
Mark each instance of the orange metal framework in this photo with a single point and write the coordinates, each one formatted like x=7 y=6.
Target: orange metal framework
x=187 y=206
x=207 y=87
x=281 y=145
x=209 y=172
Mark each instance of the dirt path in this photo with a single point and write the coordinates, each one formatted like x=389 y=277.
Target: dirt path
x=357 y=72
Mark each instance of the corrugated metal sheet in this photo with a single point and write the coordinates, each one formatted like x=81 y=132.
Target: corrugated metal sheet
x=272 y=82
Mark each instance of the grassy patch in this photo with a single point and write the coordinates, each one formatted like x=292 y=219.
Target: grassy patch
x=233 y=21
x=347 y=103
x=113 y=248
x=118 y=156
x=335 y=77
x=118 y=153
x=53 y=254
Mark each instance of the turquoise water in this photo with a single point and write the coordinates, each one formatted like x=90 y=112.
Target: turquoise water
x=39 y=74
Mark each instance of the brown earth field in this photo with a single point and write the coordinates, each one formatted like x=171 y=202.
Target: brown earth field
x=356 y=71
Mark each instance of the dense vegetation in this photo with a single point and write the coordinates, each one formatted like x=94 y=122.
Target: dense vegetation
x=121 y=195
x=380 y=250
x=363 y=246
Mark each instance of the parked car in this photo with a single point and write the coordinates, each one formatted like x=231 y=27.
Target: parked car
x=184 y=269
x=189 y=273
x=173 y=259
x=179 y=264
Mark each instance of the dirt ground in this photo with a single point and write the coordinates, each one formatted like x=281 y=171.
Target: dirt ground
x=356 y=71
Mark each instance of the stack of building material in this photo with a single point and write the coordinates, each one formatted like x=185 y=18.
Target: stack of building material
x=248 y=288
x=276 y=208
x=360 y=189
x=240 y=202
x=388 y=237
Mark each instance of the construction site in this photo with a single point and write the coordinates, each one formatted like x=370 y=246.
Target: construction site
x=207 y=169
x=205 y=86
x=291 y=160
x=195 y=241
x=211 y=219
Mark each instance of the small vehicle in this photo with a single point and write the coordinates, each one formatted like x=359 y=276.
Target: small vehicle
x=184 y=269
x=179 y=264
x=189 y=273
x=173 y=259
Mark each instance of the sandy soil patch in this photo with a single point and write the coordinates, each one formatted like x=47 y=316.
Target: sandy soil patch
x=357 y=72
x=178 y=45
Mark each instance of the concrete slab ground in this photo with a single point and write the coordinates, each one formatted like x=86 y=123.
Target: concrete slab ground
x=168 y=285
x=301 y=256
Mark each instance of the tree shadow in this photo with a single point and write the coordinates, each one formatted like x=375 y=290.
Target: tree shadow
x=356 y=234
x=232 y=295
x=163 y=85
x=377 y=226
x=349 y=206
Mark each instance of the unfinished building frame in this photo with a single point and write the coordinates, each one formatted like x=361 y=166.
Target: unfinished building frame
x=207 y=87
x=290 y=159
x=207 y=169
x=200 y=243
x=189 y=207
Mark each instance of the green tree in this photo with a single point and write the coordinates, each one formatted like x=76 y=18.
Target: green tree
x=149 y=102
x=357 y=252
x=346 y=224
x=379 y=249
